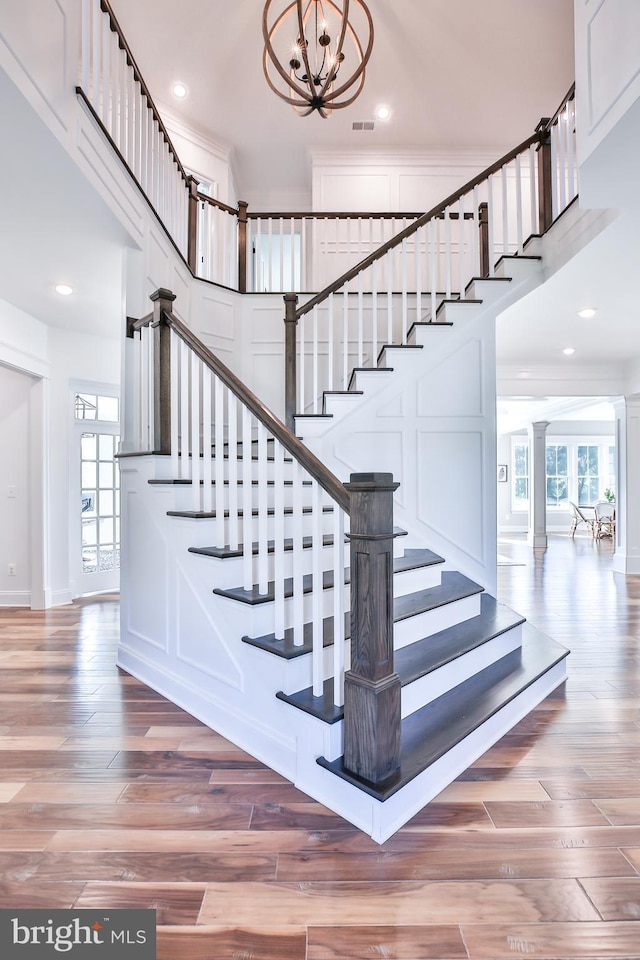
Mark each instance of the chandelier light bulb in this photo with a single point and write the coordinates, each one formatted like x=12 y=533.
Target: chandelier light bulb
x=324 y=69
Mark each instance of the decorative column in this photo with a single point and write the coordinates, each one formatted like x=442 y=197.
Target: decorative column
x=626 y=558
x=242 y=245
x=545 y=177
x=192 y=230
x=537 y=536
x=162 y=302
x=372 y=688
x=290 y=353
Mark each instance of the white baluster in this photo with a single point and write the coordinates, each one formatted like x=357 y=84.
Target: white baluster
x=86 y=13
x=297 y=526
x=271 y=288
x=331 y=344
x=247 y=518
x=374 y=311
x=561 y=127
x=304 y=267
x=175 y=406
x=405 y=288
x=554 y=171
x=447 y=252
x=263 y=506
x=293 y=283
x=461 y=251
x=196 y=473
x=145 y=374
x=519 y=237
x=95 y=61
x=278 y=540
x=301 y=364
x=317 y=596
x=475 y=231
x=208 y=438
x=345 y=335
x=315 y=359
x=491 y=230
x=360 y=322
x=232 y=471
x=338 y=608
x=505 y=212
x=433 y=259
x=571 y=169
x=418 y=266
x=389 y=265
x=184 y=412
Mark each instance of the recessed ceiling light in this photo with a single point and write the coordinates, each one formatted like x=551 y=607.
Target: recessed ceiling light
x=383 y=112
x=587 y=313
x=179 y=90
x=64 y=289
x=568 y=351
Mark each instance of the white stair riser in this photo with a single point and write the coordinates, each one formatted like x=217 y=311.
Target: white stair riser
x=205 y=533
x=400 y=358
x=259 y=618
x=370 y=381
x=424 y=336
x=458 y=312
x=428 y=688
x=339 y=405
x=184 y=497
x=517 y=269
x=487 y=290
x=229 y=571
x=409 y=581
x=432 y=621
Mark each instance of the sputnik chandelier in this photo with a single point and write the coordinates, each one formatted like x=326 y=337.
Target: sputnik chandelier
x=312 y=54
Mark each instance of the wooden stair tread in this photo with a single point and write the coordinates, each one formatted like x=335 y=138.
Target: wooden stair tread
x=253 y=596
x=210 y=514
x=287 y=650
x=226 y=552
x=429 y=733
x=422 y=657
x=415 y=560
x=184 y=482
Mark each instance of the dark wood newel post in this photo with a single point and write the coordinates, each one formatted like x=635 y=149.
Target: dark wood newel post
x=545 y=177
x=162 y=302
x=372 y=688
x=242 y=245
x=192 y=235
x=290 y=324
x=483 y=227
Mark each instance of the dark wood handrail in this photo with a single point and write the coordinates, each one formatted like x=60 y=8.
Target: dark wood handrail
x=218 y=203
x=321 y=215
x=435 y=212
x=571 y=95
x=327 y=480
x=115 y=26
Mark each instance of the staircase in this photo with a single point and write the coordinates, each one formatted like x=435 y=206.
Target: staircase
x=248 y=558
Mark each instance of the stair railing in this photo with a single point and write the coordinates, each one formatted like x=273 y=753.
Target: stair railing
x=234 y=453
x=114 y=90
x=406 y=278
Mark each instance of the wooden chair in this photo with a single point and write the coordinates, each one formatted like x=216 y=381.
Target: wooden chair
x=605 y=523
x=578 y=518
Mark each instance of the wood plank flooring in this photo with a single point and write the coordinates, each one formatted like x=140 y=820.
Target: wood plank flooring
x=112 y=796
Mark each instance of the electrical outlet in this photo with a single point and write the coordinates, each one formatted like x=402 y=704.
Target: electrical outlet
x=12 y=570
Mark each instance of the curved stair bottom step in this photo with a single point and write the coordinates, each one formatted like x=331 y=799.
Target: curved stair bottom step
x=436 y=751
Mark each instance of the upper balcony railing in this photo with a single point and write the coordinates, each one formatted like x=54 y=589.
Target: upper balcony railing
x=296 y=252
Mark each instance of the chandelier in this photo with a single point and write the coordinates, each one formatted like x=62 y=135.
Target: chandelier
x=312 y=54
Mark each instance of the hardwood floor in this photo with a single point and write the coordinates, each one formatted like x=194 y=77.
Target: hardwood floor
x=112 y=796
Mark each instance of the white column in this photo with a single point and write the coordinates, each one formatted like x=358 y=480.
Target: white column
x=626 y=558
x=537 y=536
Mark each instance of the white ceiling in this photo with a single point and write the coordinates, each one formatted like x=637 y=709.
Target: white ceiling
x=459 y=75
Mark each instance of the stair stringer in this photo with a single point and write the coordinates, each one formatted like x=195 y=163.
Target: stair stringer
x=432 y=424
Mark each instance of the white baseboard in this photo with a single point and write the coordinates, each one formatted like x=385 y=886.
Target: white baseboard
x=15 y=598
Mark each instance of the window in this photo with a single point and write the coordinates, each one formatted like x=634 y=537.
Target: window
x=92 y=407
x=557 y=475
x=576 y=470
x=520 y=475
x=588 y=474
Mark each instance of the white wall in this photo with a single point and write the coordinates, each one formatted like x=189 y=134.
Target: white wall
x=406 y=181
x=15 y=485
x=608 y=94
